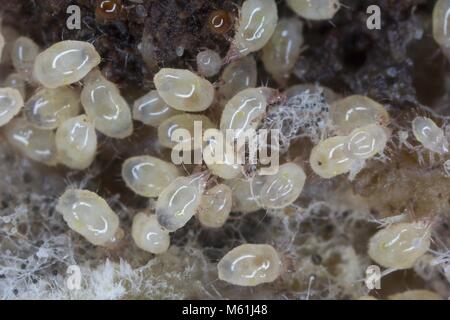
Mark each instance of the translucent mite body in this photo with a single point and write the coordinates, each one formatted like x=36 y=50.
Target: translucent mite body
x=35 y=143
x=237 y=76
x=208 y=63
x=89 y=215
x=250 y=265
x=366 y=142
x=441 y=23
x=246 y=193
x=179 y=201
x=280 y=54
x=23 y=55
x=10 y=104
x=399 y=245
x=415 y=295
x=16 y=81
x=76 y=143
x=183 y=90
x=314 y=9
x=430 y=135
x=65 y=62
x=147 y=176
x=105 y=106
x=48 y=108
x=257 y=22
x=151 y=109
x=215 y=206
x=148 y=234
x=330 y=95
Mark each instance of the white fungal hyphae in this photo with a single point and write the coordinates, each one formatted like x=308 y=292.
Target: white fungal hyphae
x=35 y=143
x=315 y=9
x=23 y=56
x=298 y=89
x=16 y=81
x=65 y=62
x=151 y=109
x=183 y=90
x=329 y=159
x=208 y=63
x=48 y=108
x=399 y=245
x=415 y=295
x=10 y=104
x=280 y=54
x=430 y=135
x=441 y=23
x=237 y=76
x=250 y=265
x=284 y=187
x=366 y=142
x=181 y=121
x=246 y=193
x=356 y=111
x=179 y=201
x=148 y=234
x=105 y=106
x=257 y=22
x=76 y=143
x=89 y=215
x=148 y=176
x=215 y=206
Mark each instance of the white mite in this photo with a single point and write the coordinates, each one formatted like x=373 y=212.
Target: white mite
x=315 y=9
x=48 y=108
x=151 y=109
x=246 y=193
x=76 y=143
x=237 y=76
x=441 y=23
x=89 y=215
x=179 y=201
x=215 y=206
x=16 y=81
x=257 y=22
x=415 y=295
x=23 y=56
x=356 y=111
x=298 y=89
x=250 y=265
x=430 y=135
x=148 y=234
x=11 y=103
x=208 y=63
x=183 y=90
x=399 y=245
x=366 y=142
x=35 y=143
x=105 y=106
x=147 y=176
x=65 y=62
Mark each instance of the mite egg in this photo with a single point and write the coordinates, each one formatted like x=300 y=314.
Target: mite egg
x=314 y=9
x=430 y=135
x=89 y=215
x=399 y=245
x=48 y=108
x=16 y=81
x=23 y=55
x=65 y=62
x=237 y=76
x=152 y=110
x=10 y=104
x=246 y=193
x=366 y=142
x=415 y=295
x=220 y=21
x=105 y=106
x=250 y=265
x=208 y=63
x=76 y=143
x=215 y=206
x=147 y=176
x=441 y=23
x=148 y=234
x=184 y=90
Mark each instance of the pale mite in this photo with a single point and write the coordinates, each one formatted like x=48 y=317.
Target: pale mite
x=246 y=193
x=208 y=63
x=329 y=159
x=148 y=234
x=76 y=143
x=23 y=56
x=284 y=187
x=184 y=90
x=48 y=108
x=237 y=76
x=16 y=81
x=430 y=135
x=65 y=62
x=399 y=245
x=106 y=107
x=11 y=103
x=356 y=111
x=441 y=23
x=330 y=95
x=257 y=22
x=179 y=201
x=250 y=265
x=315 y=9
x=151 y=109
x=215 y=206
x=415 y=295
x=281 y=53
x=35 y=143
x=89 y=215
x=366 y=142
x=147 y=176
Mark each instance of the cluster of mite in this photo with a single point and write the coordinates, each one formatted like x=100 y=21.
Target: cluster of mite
x=73 y=101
